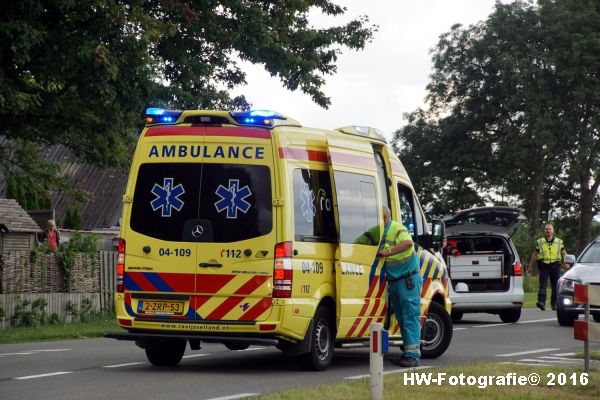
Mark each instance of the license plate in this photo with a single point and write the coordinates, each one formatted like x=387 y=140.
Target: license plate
x=160 y=307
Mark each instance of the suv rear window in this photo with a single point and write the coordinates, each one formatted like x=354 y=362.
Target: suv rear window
x=230 y=202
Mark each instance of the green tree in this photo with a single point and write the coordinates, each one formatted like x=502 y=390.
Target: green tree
x=514 y=108
x=79 y=73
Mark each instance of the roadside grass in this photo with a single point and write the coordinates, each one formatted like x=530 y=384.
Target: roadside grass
x=95 y=327
x=594 y=355
x=530 y=300
x=394 y=387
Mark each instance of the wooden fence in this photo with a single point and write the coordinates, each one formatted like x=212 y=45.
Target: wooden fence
x=24 y=278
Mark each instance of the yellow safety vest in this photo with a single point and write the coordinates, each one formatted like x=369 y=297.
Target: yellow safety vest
x=397 y=233
x=549 y=252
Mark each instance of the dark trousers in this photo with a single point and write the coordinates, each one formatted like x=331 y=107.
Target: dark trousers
x=551 y=271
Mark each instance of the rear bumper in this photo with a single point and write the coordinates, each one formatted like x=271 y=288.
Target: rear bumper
x=160 y=336
x=487 y=301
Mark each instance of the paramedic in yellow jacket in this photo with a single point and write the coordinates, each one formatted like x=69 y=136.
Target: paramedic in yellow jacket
x=404 y=285
x=549 y=254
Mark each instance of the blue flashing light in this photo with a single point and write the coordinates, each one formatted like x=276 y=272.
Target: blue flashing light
x=264 y=118
x=161 y=116
x=155 y=111
x=262 y=113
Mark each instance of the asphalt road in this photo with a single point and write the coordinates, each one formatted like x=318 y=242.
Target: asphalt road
x=110 y=369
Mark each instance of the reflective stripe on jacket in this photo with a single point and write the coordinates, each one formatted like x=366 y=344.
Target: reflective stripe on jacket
x=397 y=233
x=549 y=252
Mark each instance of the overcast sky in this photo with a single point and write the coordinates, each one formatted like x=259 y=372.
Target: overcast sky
x=376 y=86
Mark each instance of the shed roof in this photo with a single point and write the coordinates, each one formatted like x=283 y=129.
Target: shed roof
x=13 y=218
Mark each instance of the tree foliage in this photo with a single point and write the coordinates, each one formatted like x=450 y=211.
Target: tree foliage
x=514 y=112
x=80 y=72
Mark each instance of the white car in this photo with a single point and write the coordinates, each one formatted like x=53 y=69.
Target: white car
x=586 y=270
x=484 y=266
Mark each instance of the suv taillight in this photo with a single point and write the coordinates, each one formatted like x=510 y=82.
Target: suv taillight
x=120 y=266
x=517 y=269
x=282 y=270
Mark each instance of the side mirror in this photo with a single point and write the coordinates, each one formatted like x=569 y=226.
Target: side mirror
x=438 y=233
x=570 y=259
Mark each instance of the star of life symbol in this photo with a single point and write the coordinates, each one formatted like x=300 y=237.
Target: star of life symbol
x=167 y=197
x=233 y=198
x=308 y=204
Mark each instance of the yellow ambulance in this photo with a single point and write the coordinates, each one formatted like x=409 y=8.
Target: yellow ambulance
x=246 y=228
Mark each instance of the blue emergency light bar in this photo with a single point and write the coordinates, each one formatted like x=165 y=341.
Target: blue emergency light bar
x=156 y=115
x=264 y=118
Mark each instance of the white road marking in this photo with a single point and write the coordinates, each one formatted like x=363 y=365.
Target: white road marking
x=490 y=326
x=122 y=365
x=195 y=355
x=251 y=349
x=13 y=354
x=536 y=320
x=526 y=352
x=235 y=396
x=43 y=375
x=530 y=364
x=51 y=350
x=393 y=371
x=564 y=354
x=559 y=358
x=537 y=360
x=458 y=329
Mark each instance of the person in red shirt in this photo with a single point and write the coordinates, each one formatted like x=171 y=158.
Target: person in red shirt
x=52 y=235
x=451 y=248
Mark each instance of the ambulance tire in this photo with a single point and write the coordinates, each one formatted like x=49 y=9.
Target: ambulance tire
x=436 y=332
x=165 y=353
x=322 y=342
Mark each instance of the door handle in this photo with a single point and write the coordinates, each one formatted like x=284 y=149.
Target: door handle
x=208 y=265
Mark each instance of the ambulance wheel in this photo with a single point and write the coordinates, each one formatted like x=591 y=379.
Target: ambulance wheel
x=436 y=332
x=236 y=346
x=321 y=343
x=165 y=354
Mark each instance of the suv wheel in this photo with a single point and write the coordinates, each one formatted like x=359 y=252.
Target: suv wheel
x=565 y=318
x=436 y=332
x=165 y=353
x=510 y=315
x=456 y=315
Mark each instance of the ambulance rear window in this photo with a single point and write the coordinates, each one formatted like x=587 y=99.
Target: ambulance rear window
x=193 y=202
x=313 y=206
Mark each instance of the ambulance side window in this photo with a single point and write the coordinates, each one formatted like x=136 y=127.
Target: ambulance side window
x=407 y=208
x=313 y=206
x=357 y=208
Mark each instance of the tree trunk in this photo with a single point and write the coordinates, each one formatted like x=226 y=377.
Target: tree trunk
x=535 y=207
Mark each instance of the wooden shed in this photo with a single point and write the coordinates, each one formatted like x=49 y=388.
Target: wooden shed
x=17 y=229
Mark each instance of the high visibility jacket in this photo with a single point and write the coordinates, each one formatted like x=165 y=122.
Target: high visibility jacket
x=397 y=233
x=549 y=252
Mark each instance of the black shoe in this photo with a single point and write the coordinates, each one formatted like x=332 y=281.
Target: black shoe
x=540 y=305
x=405 y=361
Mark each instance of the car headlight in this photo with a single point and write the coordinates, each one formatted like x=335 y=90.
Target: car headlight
x=566 y=284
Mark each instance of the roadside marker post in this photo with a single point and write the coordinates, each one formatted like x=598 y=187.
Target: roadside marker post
x=379 y=346
x=586 y=330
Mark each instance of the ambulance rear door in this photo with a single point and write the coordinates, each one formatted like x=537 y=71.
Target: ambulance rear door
x=161 y=257
x=360 y=288
x=237 y=227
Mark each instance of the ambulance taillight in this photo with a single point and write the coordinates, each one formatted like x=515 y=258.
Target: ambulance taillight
x=282 y=270
x=120 y=266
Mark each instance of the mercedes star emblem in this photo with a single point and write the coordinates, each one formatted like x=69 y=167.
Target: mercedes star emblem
x=197 y=231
